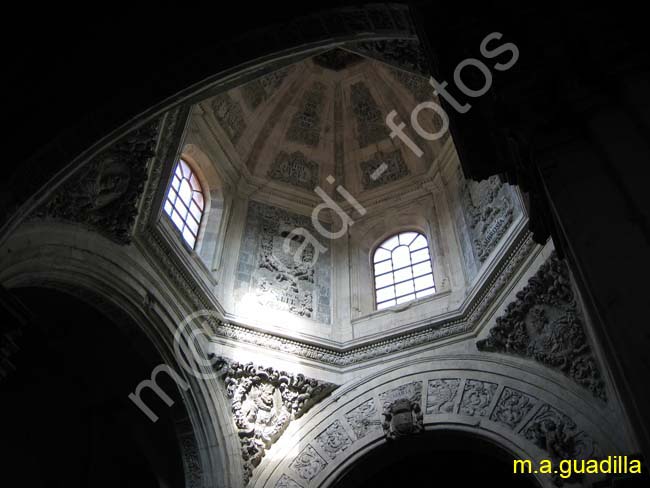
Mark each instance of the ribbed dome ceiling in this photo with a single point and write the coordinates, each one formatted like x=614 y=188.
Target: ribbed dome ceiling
x=325 y=115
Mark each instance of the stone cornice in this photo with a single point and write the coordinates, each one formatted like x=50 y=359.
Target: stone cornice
x=345 y=356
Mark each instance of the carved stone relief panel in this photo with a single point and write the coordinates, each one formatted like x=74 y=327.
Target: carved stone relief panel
x=364 y=419
x=489 y=210
x=295 y=169
x=334 y=439
x=545 y=323
x=286 y=482
x=558 y=435
x=104 y=194
x=308 y=463
x=273 y=278
x=371 y=127
x=261 y=89
x=230 y=116
x=441 y=395
x=395 y=168
x=512 y=406
x=306 y=123
x=264 y=402
x=477 y=397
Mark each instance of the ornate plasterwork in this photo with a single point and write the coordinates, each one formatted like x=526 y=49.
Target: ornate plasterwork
x=103 y=195
x=230 y=116
x=545 y=323
x=371 y=127
x=395 y=169
x=264 y=402
x=306 y=123
x=295 y=169
x=489 y=211
x=272 y=277
x=255 y=92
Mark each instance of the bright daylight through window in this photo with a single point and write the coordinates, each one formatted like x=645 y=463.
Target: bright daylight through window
x=402 y=266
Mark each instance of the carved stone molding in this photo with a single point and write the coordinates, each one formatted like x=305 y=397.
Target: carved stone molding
x=103 y=195
x=264 y=402
x=390 y=345
x=545 y=323
x=516 y=415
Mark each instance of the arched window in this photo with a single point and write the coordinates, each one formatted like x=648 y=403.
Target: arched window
x=184 y=203
x=402 y=265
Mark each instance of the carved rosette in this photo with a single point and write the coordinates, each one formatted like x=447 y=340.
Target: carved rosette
x=103 y=195
x=545 y=323
x=264 y=402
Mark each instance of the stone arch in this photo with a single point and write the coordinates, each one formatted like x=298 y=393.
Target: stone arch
x=498 y=401
x=116 y=282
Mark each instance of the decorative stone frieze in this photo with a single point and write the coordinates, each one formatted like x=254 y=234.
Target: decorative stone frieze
x=308 y=464
x=545 y=323
x=334 y=439
x=512 y=407
x=441 y=395
x=477 y=398
x=264 y=402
